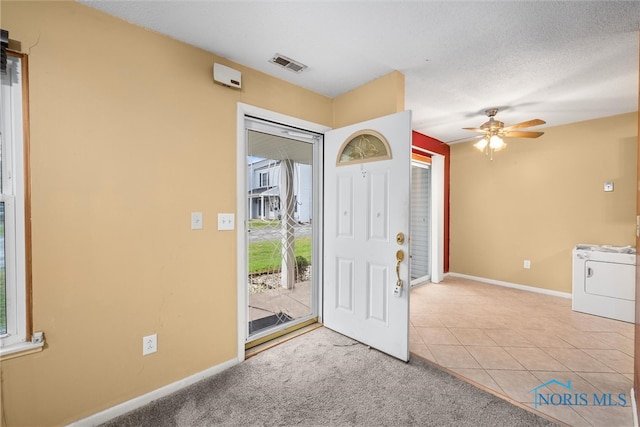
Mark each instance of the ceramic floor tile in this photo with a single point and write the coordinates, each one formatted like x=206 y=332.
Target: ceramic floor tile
x=617 y=341
x=529 y=333
x=436 y=336
x=494 y=358
x=472 y=336
x=583 y=340
x=561 y=381
x=453 y=356
x=614 y=359
x=451 y=319
x=543 y=338
x=481 y=377
x=577 y=360
x=413 y=335
x=608 y=382
x=607 y=416
x=508 y=338
x=488 y=321
x=625 y=329
x=534 y=359
x=565 y=414
x=516 y=384
x=421 y=350
x=426 y=320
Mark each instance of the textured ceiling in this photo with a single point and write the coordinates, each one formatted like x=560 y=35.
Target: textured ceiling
x=558 y=61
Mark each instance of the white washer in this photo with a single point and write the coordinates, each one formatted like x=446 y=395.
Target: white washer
x=604 y=281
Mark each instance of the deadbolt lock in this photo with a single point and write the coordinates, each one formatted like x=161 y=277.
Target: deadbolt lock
x=400 y=238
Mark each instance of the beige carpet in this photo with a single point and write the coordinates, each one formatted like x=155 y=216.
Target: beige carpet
x=322 y=378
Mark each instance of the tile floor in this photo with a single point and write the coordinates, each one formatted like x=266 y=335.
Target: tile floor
x=512 y=341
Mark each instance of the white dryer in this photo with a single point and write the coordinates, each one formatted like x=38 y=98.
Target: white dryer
x=604 y=281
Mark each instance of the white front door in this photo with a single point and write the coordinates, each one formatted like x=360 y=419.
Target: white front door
x=366 y=205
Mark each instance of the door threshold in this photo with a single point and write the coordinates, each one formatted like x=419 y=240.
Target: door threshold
x=286 y=335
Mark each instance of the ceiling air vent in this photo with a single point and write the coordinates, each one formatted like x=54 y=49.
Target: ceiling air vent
x=287 y=63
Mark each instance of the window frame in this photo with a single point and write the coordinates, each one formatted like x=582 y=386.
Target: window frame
x=263 y=179
x=16 y=190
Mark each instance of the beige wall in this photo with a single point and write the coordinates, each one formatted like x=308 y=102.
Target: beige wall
x=538 y=198
x=129 y=134
x=370 y=100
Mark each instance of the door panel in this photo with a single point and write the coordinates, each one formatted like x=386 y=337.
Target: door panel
x=366 y=204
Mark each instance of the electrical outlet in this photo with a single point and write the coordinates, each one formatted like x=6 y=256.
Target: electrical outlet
x=527 y=264
x=149 y=344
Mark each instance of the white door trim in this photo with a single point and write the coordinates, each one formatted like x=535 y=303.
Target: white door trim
x=437 y=218
x=437 y=214
x=242 y=111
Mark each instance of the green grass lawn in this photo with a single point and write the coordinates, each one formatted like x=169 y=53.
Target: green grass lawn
x=3 y=291
x=267 y=255
x=263 y=223
x=3 y=302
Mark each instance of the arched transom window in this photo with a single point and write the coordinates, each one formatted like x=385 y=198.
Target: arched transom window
x=364 y=146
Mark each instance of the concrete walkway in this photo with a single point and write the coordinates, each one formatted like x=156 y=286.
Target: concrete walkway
x=295 y=302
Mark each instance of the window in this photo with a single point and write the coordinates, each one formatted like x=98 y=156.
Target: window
x=264 y=179
x=14 y=292
x=364 y=146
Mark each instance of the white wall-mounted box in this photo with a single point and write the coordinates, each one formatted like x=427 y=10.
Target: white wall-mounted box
x=227 y=76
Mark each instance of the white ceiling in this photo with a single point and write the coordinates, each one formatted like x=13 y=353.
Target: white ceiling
x=560 y=61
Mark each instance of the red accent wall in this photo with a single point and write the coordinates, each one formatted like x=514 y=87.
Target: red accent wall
x=439 y=147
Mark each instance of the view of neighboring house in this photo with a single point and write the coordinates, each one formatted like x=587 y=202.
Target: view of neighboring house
x=264 y=193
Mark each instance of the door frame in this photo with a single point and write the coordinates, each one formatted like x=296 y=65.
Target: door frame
x=437 y=214
x=437 y=217
x=426 y=278
x=244 y=110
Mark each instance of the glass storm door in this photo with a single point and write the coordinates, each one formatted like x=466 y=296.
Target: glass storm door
x=281 y=169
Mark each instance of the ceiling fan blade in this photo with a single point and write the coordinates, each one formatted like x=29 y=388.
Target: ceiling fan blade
x=522 y=134
x=534 y=122
x=475 y=130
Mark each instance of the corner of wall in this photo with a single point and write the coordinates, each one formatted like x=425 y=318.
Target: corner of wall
x=376 y=98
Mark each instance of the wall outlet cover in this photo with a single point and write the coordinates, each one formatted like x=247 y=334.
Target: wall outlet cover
x=149 y=344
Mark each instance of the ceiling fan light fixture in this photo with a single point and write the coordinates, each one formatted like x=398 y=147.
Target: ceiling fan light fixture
x=494 y=131
x=496 y=143
x=482 y=144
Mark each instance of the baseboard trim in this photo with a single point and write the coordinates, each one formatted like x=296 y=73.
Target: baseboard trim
x=137 y=402
x=513 y=285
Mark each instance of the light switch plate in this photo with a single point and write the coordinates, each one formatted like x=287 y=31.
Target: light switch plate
x=226 y=221
x=608 y=186
x=196 y=220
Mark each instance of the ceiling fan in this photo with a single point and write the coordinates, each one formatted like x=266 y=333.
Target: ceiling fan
x=494 y=131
